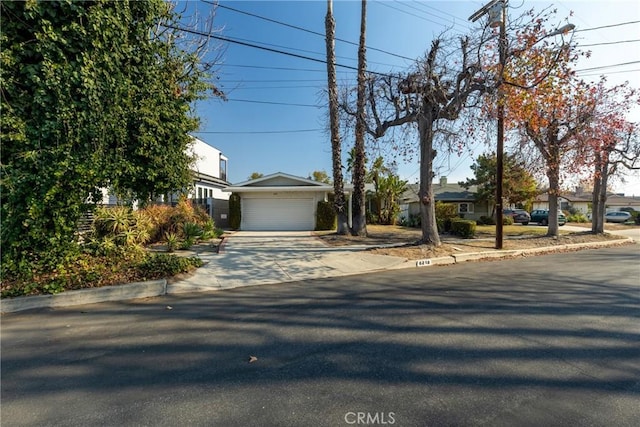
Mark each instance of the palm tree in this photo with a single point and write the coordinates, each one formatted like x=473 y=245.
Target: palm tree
x=336 y=151
x=359 y=209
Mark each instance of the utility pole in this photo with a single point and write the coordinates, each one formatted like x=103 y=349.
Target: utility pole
x=497 y=17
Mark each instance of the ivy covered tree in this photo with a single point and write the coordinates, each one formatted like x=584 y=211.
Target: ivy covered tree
x=94 y=94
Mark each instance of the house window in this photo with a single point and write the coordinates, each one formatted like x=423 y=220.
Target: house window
x=223 y=169
x=199 y=192
x=210 y=193
x=464 y=208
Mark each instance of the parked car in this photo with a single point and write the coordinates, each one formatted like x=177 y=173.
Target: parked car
x=541 y=216
x=619 y=216
x=519 y=215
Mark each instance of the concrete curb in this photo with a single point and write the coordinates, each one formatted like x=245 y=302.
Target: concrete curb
x=129 y=291
x=159 y=287
x=511 y=253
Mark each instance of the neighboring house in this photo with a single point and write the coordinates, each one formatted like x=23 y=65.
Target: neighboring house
x=581 y=201
x=467 y=206
x=280 y=202
x=209 y=178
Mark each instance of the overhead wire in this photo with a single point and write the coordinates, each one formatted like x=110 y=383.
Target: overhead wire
x=302 y=29
x=580 y=30
x=268 y=49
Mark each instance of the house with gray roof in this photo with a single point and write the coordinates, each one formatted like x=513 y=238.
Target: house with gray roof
x=465 y=200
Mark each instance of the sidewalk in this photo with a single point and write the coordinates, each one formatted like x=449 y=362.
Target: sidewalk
x=260 y=258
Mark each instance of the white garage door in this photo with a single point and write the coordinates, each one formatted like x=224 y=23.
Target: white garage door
x=277 y=214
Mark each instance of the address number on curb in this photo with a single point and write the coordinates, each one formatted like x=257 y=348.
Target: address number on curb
x=423 y=262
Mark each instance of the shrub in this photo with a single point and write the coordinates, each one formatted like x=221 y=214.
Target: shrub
x=172 y=241
x=235 y=213
x=159 y=265
x=487 y=220
x=578 y=217
x=507 y=220
x=445 y=213
x=325 y=216
x=120 y=226
x=463 y=227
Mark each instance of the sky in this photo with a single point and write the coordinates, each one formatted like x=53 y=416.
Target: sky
x=275 y=117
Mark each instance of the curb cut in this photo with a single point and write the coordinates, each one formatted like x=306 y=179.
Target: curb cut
x=129 y=291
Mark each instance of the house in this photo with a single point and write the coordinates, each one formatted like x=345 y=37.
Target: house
x=581 y=201
x=280 y=202
x=209 y=178
x=466 y=204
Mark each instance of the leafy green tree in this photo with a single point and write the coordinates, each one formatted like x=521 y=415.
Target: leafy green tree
x=94 y=94
x=320 y=176
x=518 y=185
x=256 y=175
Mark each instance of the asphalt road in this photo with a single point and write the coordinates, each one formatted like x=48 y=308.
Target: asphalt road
x=548 y=340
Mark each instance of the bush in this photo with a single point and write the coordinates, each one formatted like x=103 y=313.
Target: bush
x=507 y=220
x=235 y=213
x=486 y=220
x=578 y=217
x=445 y=213
x=159 y=265
x=463 y=227
x=414 y=221
x=326 y=218
x=90 y=271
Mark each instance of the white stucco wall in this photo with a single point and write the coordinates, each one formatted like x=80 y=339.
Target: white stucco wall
x=207 y=158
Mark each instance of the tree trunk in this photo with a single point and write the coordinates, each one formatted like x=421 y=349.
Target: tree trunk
x=553 y=174
x=359 y=207
x=427 y=204
x=599 y=198
x=336 y=151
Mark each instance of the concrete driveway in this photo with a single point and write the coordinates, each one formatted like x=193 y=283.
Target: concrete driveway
x=263 y=257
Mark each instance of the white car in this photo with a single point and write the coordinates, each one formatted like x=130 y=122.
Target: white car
x=617 y=216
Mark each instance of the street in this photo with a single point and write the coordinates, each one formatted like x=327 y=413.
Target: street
x=546 y=340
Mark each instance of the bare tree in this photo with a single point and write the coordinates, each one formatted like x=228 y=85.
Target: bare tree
x=359 y=203
x=336 y=150
x=433 y=92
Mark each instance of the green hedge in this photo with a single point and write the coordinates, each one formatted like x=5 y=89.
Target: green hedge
x=463 y=227
x=325 y=216
x=235 y=213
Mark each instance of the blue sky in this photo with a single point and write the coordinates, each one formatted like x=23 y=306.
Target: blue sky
x=274 y=119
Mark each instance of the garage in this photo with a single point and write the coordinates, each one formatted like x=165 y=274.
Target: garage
x=279 y=202
x=273 y=214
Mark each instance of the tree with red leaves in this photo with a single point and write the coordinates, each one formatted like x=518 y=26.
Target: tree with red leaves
x=611 y=144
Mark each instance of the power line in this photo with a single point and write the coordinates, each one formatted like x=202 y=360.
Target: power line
x=449 y=24
x=609 y=43
x=268 y=49
x=607 y=26
x=259 y=132
x=610 y=72
x=273 y=103
x=303 y=29
x=608 y=66
x=266 y=67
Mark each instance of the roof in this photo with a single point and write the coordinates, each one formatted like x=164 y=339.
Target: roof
x=612 y=198
x=441 y=192
x=281 y=182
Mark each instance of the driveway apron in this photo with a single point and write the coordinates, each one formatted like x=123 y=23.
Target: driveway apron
x=262 y=257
